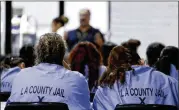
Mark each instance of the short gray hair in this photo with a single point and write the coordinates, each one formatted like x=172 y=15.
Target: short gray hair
x=50 y=49
x=82 y=11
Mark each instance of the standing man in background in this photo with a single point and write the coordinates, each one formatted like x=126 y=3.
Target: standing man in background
x=85 y=32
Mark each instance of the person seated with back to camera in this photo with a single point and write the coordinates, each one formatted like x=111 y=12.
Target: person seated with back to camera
x=49 y=80
x=168 y=62
x=132 y=45
x=153 y=53
x=126 y=81
x=27 y=54
x=11 y=66
x=86 y=59
x=164 y=59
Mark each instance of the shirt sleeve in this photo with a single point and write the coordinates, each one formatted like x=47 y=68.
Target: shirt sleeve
x=97 y=105
x=81 y=94
x=172 y=96
x=101 y=102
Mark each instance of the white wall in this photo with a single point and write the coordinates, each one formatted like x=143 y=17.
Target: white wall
x=99 y=14
x=146 y=21
x=44 y=12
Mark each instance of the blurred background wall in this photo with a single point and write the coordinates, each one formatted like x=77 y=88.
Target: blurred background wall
x=146 y=21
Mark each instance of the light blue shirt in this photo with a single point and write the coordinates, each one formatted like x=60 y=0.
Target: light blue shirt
x=174 y=72
x=51 y=83
x=102 y=69
x=7 y=78
x=143 y=86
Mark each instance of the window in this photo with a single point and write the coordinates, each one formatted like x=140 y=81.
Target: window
x=35 y=20
x=147 y=21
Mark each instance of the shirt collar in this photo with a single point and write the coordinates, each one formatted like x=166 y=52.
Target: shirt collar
x=138 y=69
x=49 y=67
x=141 y=68
x=9 y=71
x=78 y=29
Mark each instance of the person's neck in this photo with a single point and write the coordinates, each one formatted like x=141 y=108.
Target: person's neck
x=84 y=28
x=59 y=28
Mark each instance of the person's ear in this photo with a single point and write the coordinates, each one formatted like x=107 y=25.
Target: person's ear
x=22 y=65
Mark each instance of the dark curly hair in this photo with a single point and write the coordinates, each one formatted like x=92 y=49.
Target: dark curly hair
x=85 y=53
x=27 y=54
x=50 y=49
x=119 y=62
x=153 y=52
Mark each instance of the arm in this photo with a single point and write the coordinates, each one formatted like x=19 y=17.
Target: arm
x=65 y=36
x=99 y=40
x=81 y=94
x=67 y=41
x=97 y=105
x=172 y=96
x=101 y=101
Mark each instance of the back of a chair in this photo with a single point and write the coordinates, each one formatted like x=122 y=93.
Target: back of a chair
x=36 y=106
x=145 y=107
x=4 y=96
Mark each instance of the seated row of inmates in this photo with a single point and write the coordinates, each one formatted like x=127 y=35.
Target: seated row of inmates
x=125 y=80
x=128 y=82
x=10 y=66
